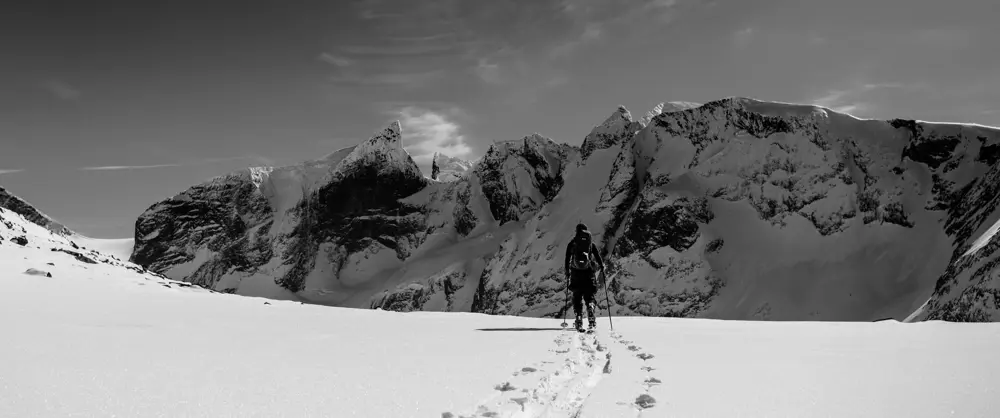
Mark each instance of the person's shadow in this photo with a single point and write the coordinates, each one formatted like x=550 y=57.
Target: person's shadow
x=520 y=329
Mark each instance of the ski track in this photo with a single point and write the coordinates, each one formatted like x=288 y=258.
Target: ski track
x=643 y=401
x=555 y=387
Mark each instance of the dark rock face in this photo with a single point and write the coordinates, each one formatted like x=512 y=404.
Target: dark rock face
x=17 y=205
x=351 y=212
x=215 y=215
x=519 y=177
x=435 y=169
x=968 y=290
x=415 y=296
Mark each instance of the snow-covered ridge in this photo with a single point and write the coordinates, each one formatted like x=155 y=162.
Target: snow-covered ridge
x=42 y=251
x=17 y=205
x=737 y=208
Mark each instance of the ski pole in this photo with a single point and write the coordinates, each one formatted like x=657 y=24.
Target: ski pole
x=607 y=299
x=565 y=305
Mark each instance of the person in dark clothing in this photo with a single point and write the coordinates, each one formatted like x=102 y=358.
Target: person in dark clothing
x=583 y=263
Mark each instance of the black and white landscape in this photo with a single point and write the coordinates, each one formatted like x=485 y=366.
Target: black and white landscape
x=362 y=208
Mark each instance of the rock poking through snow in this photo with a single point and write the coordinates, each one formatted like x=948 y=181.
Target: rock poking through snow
x=36 y=272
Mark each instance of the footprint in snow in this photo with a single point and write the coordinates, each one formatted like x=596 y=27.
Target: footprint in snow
x=645 y=356
x=505 y=387
x=645 y=401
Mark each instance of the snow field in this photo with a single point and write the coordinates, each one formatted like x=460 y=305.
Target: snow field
x=100 y=340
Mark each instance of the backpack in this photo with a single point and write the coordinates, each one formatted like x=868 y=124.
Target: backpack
x=580 y=256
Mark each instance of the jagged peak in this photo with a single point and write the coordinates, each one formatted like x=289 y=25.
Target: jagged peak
x=621 y=114
x=384 y=148
x=613 y=130
x=502 y=149
x=389 y=138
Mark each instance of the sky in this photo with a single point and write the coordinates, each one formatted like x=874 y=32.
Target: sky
x=110 y=106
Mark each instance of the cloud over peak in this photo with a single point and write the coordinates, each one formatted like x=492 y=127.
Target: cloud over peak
x=427 y=131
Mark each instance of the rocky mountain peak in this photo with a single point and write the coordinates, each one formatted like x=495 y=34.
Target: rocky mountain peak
x=383 y=151
x=615 y=129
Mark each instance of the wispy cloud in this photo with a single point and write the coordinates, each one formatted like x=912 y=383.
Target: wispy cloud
x=488 y=71
x=852 y=100
x=590 y=33
x=413 y=49
x=425 y=38
x=3 y=171
x=594 y=21
x=427 y=131
x=128 y=167
x=369 y=10
x=415 y=79
x=62 y=90
x=259 y=159
x=335 y=60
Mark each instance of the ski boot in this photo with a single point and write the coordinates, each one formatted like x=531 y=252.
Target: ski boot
x=579 y=324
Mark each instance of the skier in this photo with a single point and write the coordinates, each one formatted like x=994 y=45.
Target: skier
x=583 y=262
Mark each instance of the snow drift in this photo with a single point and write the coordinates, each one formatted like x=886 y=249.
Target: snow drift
x=734 y=209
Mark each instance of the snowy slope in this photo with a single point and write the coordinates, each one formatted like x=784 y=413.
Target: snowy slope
x=734 y=209
x=103 y=340
x=17 y=205
x=120 y=248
